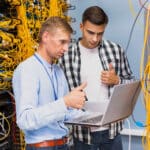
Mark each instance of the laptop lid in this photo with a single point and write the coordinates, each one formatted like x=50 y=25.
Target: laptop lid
x=122 y=102
x=120 y=106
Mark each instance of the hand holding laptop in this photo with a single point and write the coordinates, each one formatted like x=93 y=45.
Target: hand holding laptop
x=76 y=98
x=119 y=106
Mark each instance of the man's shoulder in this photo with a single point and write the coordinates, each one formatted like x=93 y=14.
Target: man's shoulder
x=71 y=51
x=73 y=46
x=27 y=63
x=111 y=45
x=109 y=42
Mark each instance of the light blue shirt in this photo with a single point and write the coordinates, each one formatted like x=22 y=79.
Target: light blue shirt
x=40 y=113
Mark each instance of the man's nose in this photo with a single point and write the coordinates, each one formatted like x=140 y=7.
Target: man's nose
x=95 y=38
x=65 y=47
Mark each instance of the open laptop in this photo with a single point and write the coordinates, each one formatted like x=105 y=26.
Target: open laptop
x=118 y=107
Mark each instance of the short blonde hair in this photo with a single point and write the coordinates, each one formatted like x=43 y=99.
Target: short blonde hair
x=53 y=23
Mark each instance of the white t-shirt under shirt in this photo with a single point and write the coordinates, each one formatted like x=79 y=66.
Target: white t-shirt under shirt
x=90 y=72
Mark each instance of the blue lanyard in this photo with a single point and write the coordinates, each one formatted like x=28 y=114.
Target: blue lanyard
x=51 y=79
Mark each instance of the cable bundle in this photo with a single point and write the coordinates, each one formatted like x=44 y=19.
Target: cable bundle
x=146 y=92
x=19 y=27
x=20 y=21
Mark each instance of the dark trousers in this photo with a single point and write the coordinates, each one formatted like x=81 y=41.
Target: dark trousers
x=100 y=141
x=63 y=147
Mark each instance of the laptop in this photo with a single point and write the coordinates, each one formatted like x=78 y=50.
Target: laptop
x=119 y=106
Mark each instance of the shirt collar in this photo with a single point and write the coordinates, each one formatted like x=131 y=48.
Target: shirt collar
x=43 y=61
x=101 y=44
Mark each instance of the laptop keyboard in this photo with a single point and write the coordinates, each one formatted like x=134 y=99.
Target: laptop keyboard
x=93 y=119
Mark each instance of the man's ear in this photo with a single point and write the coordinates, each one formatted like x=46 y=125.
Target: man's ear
x=45 y=36
x=81 y=26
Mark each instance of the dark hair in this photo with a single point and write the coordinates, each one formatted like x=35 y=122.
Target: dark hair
x=53 y=23
x=95 y=15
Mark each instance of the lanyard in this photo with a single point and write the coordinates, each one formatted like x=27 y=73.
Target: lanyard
x=51 y=78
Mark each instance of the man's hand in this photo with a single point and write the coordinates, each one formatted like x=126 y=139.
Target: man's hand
x=109 y=77
x=76 y=98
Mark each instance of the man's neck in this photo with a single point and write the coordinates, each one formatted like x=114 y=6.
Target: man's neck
x=42 y=52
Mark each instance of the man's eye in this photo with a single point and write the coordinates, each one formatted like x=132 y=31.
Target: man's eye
x=100 y=34
x=90 y=32
x=62 y=42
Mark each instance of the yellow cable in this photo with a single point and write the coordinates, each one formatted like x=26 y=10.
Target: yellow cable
x=144 y=46
x=19 y=46
x=145 y=83
x=8 y=126
x=133 y=12
x=131 y=8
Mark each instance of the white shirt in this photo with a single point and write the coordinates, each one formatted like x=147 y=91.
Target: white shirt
x=90 y=72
